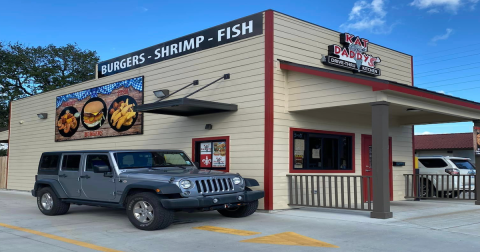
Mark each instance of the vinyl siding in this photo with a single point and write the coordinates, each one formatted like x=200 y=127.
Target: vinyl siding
x=244 y=60
x=304 y=43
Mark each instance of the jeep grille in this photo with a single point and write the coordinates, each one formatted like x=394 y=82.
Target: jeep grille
x=214 y=185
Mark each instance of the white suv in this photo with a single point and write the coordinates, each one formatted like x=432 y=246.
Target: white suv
x=444 y=176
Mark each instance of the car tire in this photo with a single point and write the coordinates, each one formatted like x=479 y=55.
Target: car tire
x=49 y=204
x=145 y=212
x=240 y=212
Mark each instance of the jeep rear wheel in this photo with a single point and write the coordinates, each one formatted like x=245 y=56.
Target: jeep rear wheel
x=145 y=212
x=49 y=204
x=242 y=211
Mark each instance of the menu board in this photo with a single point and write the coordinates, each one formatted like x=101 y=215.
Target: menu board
x=476 y=140
x=206 y=154
x=219 y=154
x=103 y=111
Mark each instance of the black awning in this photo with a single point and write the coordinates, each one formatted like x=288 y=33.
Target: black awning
x=186 y=107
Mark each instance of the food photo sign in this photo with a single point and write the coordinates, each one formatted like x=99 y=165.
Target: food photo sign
x=103 y=111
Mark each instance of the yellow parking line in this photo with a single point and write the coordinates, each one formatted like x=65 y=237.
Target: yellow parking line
x=227 y=230
x=292 y=239
x=58 y=238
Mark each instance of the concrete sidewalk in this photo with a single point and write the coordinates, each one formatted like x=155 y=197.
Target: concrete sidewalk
x=416 y=226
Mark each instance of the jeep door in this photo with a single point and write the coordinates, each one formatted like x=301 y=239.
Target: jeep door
x=69 y=174
x=98 y=186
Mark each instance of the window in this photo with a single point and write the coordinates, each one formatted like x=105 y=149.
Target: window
x=49 y=162
x=321 y=151
x=463 y=164
x=71 y=162
x=154 y=159
x=211 y=153
x=433 y=162
x=93 y=160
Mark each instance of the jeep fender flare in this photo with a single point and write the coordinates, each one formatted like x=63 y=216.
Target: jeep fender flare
x=54 y=184
x=165 y=188
x=250 y=182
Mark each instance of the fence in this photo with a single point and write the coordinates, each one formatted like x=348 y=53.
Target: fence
x=3 y=172
x=330 y=191
x=439 y=186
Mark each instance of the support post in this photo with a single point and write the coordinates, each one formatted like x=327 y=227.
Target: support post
x=476 y=123
x=380 y=161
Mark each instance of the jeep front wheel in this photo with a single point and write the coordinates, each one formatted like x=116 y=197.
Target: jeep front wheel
x=49 y=204
x=145 y=212
x=242 y=211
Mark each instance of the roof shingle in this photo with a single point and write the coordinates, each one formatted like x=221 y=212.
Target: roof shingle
x=444 y=141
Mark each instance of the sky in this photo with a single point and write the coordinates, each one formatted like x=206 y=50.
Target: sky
x=442 y=35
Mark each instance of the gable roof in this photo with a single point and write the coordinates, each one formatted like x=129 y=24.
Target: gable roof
x=444 y=141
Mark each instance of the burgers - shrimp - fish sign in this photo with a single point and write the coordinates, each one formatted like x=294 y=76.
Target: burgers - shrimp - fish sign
x=93 y=114
x=222 y=34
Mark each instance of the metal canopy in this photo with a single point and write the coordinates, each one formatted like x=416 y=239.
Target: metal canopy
x=186 y=107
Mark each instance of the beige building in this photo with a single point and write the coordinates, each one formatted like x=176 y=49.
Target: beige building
x=300 y=99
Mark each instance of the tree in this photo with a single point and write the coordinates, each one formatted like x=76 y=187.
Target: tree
x=27 y=70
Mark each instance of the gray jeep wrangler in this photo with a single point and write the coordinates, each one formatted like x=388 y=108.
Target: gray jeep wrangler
x=150 y=184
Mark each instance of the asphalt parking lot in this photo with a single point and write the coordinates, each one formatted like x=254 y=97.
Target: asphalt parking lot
x=416 y=226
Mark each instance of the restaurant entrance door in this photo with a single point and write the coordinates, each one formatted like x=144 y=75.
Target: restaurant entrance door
x=367 y=165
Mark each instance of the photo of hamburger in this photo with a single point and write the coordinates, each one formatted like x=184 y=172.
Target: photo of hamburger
x=93 y=113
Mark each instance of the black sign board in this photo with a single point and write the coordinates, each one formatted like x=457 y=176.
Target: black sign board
x=222 y=34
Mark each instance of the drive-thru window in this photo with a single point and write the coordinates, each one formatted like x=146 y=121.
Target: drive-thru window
x=269 y=96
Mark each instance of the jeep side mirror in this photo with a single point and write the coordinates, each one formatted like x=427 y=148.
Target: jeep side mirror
x=101 y=168
x=197 y=164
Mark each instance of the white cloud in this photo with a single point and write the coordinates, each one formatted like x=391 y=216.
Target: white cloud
x=441 y=92
x=370 y=16
x=441 y=37
x=426 y=133
x=448 y=5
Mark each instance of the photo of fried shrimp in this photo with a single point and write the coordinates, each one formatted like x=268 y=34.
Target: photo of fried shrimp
x=121 y=114
x=67 y=123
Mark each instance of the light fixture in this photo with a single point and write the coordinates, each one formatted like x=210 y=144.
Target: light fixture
x=208 y=126
x=413 y=110
x=161 y=93
x=42 y=115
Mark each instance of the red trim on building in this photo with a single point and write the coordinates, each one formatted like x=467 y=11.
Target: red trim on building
x=378 y=86
x=291 y=170
x=8 y=150
x=227 y=155
x=268 y=145
x=413 y=126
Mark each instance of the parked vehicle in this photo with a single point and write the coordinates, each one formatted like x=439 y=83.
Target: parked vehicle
x=150 y=184
x=445 y=176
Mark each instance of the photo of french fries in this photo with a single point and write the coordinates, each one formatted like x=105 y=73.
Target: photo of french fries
x=121 y=113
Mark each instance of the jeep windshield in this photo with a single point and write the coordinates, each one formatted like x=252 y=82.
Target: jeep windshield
x=151 y=159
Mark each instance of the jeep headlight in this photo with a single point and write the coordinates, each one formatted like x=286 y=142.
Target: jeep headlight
x=186 y=184
x=237 y=180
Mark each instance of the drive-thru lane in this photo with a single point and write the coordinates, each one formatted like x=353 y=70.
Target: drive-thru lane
x=295 y=230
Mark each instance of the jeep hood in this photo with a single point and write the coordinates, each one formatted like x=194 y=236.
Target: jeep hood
x=170 y=172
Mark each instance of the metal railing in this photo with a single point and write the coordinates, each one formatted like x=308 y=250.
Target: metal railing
x=330 y=191
x=439 y=186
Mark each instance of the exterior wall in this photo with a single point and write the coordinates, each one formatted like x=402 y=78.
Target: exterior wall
x=4 y=135
x=456 y=153
x=243 y=59
x=305 y=43
x=298 y=96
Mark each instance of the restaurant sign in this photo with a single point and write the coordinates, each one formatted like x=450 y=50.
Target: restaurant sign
x=352 y=55
x=222 y=34
x=102 y=111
